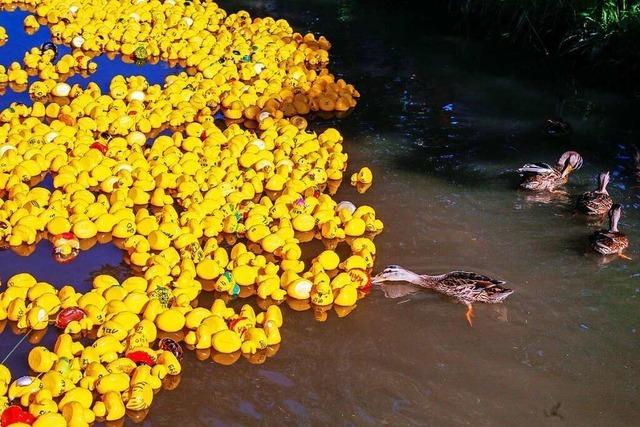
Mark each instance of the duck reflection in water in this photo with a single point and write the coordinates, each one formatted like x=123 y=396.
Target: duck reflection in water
x=545 y=198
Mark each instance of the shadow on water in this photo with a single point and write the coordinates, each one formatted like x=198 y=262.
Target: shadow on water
x=443 y=122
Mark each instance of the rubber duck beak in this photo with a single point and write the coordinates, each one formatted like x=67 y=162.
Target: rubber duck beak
x=64 y=250
x=65 y=254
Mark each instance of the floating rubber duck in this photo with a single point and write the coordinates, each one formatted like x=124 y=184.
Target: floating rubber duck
x=231 y=207
x=597 y=202
x=167 y=344
x=30 y=22
x=24 y=387
x=49 y=46
x=463 y=286
x=542 y=177
x=14 y=414
x=66 y=247
x=611 y=241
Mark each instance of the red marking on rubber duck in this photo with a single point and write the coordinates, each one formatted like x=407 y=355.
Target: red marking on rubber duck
x=100 y=147
x=140 y=357
x=15 y=414
x=68 y=315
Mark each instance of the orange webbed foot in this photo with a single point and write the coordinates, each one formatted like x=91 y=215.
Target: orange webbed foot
x=469 y=314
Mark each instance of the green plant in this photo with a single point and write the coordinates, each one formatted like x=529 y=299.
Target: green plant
x=591 y=31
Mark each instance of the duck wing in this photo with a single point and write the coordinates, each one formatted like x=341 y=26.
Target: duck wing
x=469 y=279
x=594 y=203
x=536 y=168
x=609 y=242
x=604 y=242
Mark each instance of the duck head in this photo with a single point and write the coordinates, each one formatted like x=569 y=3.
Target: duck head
x=568 y=162
x=614 y=217
x=395 y=273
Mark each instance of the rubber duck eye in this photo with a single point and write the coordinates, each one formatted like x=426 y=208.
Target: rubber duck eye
x=236 y=52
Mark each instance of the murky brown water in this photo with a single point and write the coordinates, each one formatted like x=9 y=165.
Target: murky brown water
x=443 y=123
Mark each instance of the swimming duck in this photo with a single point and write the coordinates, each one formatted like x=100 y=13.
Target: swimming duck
x=555 y=126
x=611 y=241
x=542 y=177
x=596 y=202
x=463 y=286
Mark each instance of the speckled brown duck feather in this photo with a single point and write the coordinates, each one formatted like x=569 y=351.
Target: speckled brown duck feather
x=543 y=177
x=464 y=286
x=597 y=202
x=611 y=241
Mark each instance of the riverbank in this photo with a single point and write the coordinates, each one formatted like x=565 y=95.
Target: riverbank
x=596 y=39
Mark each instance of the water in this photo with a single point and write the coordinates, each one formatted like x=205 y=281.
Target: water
x=443 y=123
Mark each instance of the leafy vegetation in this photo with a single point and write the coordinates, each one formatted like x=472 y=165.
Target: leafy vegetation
x=600 y=33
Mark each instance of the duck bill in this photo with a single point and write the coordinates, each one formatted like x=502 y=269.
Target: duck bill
x=377 y=279
x=567 y=171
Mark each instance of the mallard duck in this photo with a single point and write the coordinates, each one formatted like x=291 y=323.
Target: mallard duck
x=463 y=286
x=555 y=126
x=611 y=241
x=596 y=202
x=542 y=177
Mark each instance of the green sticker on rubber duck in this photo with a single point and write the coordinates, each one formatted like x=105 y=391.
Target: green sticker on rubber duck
x=140 y=53
x=225 y=283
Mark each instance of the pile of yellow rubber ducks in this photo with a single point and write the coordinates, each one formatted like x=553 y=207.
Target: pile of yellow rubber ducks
x=209 y=182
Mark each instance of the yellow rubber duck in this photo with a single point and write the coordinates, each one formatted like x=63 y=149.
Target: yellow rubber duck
x=24 y=387
x=262 y=178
